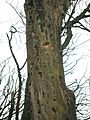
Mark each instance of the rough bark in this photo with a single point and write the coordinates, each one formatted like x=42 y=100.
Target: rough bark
x=49 y=97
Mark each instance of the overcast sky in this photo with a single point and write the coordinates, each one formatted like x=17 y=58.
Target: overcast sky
x=8 y=17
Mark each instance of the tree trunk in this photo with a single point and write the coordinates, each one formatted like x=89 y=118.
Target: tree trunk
x=49 y=97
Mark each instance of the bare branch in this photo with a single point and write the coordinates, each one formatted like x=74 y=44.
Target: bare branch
x=23 y=64
x=81 y=16
x=69 y=36
x=12 y=106
x=18 y=70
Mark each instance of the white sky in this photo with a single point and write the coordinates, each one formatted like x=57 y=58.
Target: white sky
x=8 y=17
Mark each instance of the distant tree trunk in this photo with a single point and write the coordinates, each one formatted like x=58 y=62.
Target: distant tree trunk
x=46 y=90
